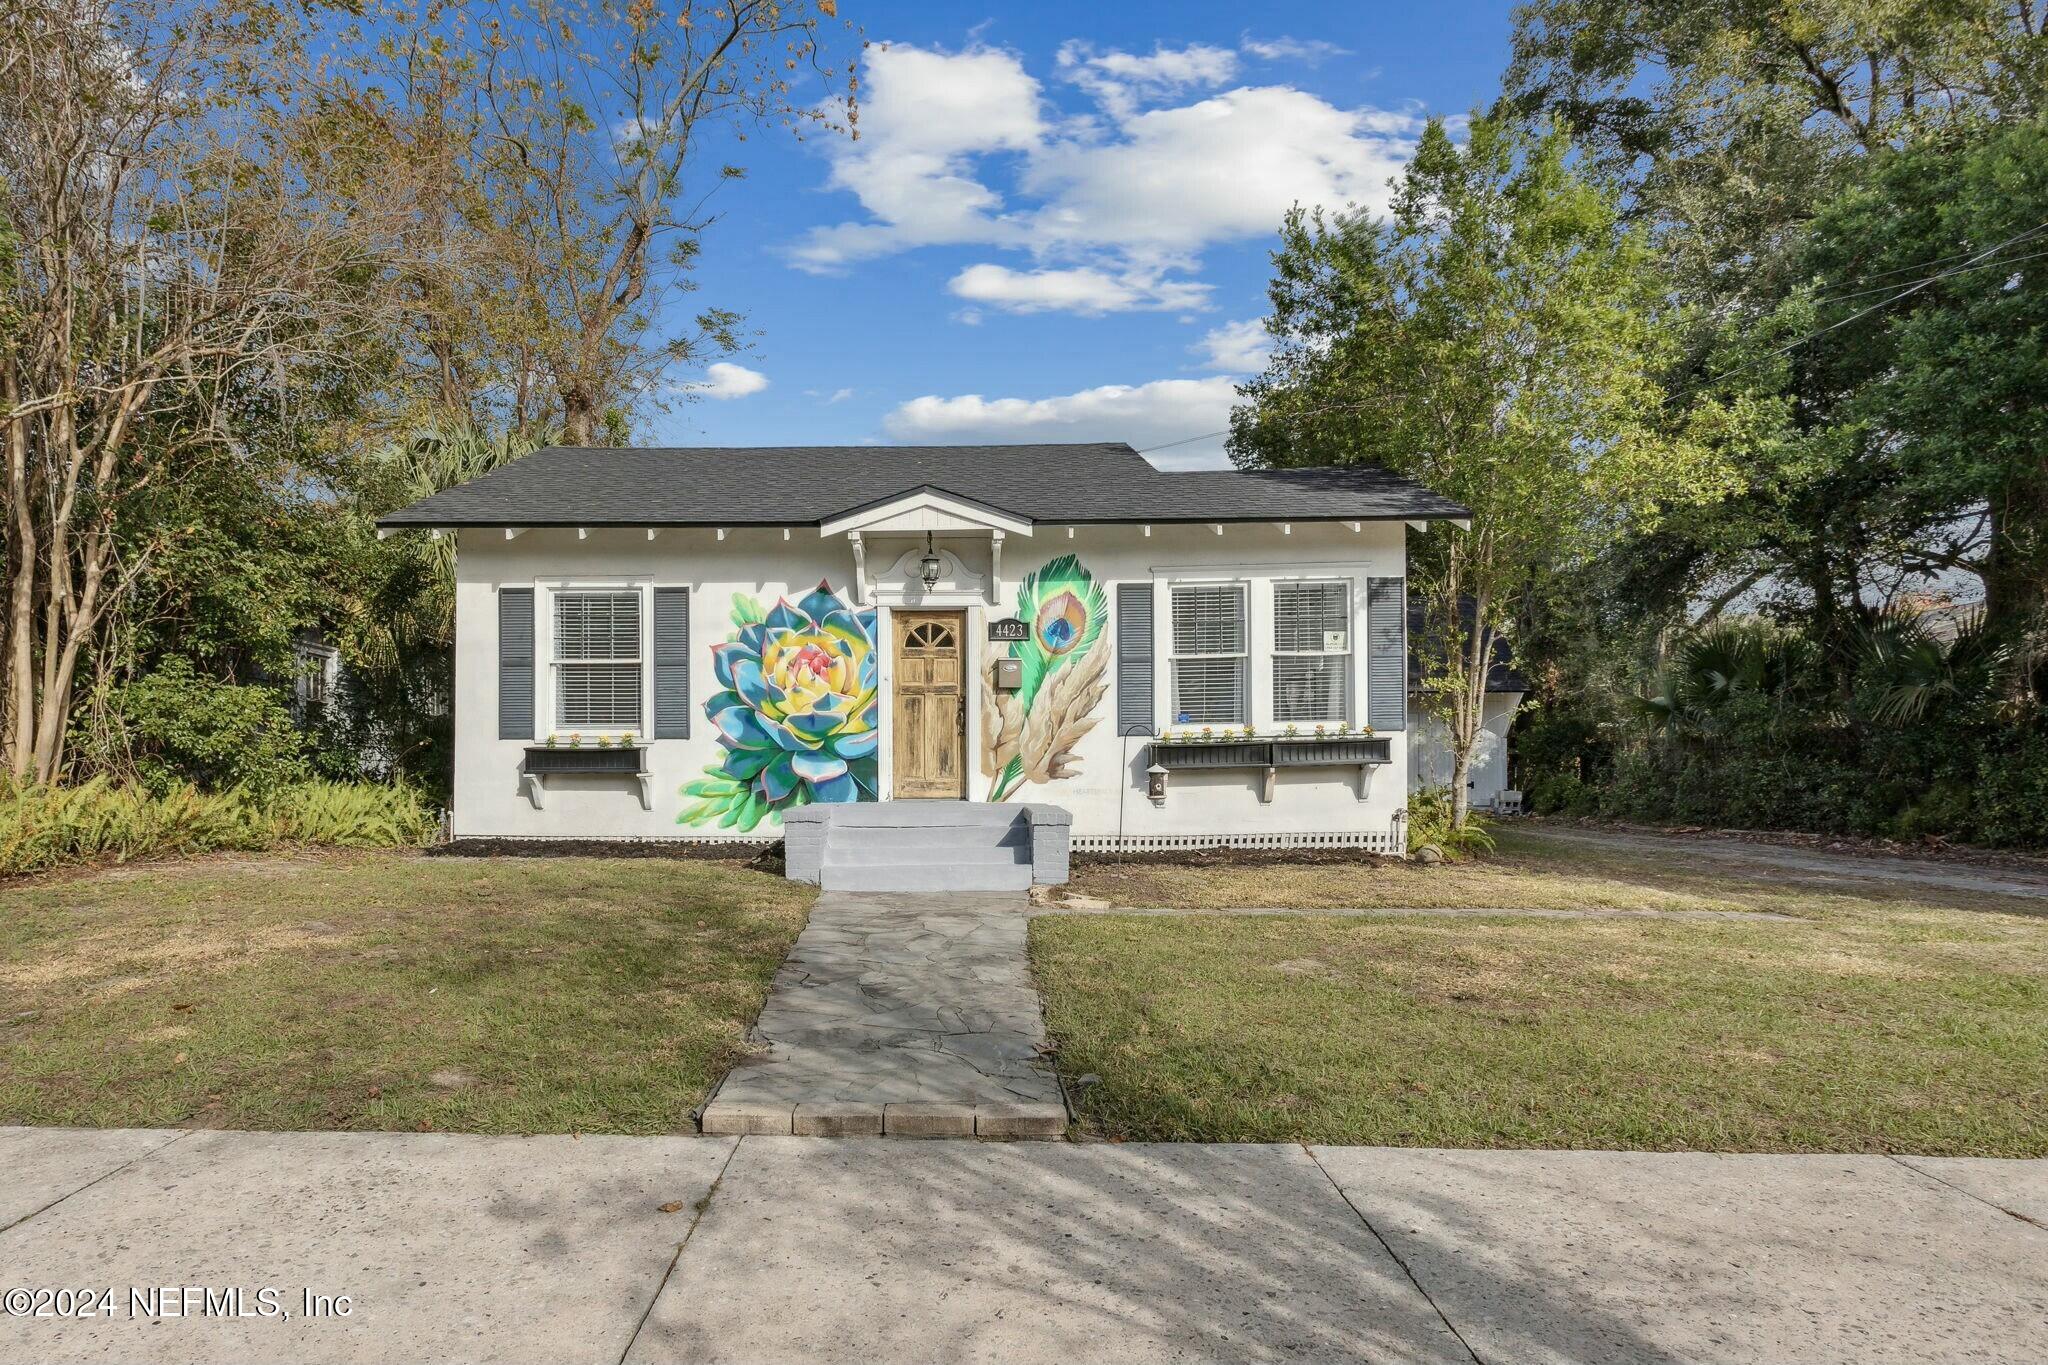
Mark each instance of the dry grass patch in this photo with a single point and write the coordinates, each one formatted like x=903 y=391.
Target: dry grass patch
x=574 y=994
x=1527 y=871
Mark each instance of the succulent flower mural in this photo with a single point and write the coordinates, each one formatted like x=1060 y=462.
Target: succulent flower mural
x=796 y=712
x=1029 y=735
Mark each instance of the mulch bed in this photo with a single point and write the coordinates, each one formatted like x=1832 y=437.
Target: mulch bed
x=760 y=857
x=1238 y=857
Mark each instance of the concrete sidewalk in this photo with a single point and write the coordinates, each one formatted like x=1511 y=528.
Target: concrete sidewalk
x=659 y=1249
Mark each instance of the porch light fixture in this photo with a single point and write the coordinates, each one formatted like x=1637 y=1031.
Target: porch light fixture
x=929 y=566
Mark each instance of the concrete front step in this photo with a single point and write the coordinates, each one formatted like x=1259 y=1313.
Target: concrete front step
x=923 y=838
x=926 y=846
x=948 y=854
x=924 y=814
x=938 y=876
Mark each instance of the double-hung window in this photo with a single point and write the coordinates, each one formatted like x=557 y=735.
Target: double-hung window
x=1311 y=651
x=597 y=660
x=1210 y=672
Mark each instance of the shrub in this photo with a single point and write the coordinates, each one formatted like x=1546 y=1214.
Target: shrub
x=46 y=827
x=179 y=726
x=350 y=815
x=1429 y=824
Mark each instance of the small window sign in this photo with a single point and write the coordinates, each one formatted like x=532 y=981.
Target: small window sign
x=1009 y=628
x=1334 y=642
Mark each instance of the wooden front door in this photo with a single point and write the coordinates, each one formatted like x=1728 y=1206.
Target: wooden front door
x=930 y=713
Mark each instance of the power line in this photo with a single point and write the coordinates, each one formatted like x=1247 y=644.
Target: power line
x=1186 y=440
x=1959 y=270
x=1971 y=262
x=1908 y=269
x=1862 y=313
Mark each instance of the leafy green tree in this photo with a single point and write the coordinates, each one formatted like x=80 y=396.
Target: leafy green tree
x=1951 y=379
x=1734 y=125
x=1499 y=339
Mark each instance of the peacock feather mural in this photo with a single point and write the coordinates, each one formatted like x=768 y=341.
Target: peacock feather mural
x=1030 y=735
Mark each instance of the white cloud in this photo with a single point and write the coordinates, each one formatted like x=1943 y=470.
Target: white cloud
x=1165 y=410
x=1142 y=190
x=924 y=119
x=1226 y=168
x=1120 y=81
x=1286 y=49
x=1239 y=347
x=723 y=380
x=1085 y=290
x=840 y=395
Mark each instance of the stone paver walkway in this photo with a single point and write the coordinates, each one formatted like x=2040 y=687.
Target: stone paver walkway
x=608 y=1249
x=898 y=1000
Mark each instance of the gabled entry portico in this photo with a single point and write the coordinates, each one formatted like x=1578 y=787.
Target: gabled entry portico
x=931 y=633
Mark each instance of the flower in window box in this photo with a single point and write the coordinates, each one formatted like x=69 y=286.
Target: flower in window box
x=1248 y=732
x=551 y=741
x=1366 y=731
x=1321 y=730
x=575 y=739
x=1207 y=733
x=1343 y=727
x=604 y=742
x=626 y=740
x=1292 y=730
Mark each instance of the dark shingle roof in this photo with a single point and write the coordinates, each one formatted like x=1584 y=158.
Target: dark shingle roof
x=1501 y=673
x=799 y=485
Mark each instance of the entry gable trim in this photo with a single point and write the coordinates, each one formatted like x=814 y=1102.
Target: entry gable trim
x=924 y=509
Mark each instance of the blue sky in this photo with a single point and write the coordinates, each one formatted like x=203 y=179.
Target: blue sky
x=1056 y=223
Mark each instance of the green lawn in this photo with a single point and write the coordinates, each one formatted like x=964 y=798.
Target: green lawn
x=1887 y=1021
x=384 y=991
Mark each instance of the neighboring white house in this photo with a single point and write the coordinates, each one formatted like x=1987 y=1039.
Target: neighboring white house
x=1429 y=748
x=690 y=643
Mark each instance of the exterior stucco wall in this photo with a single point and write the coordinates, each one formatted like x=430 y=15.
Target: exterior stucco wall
x=1430 y=751
x=1106 y=792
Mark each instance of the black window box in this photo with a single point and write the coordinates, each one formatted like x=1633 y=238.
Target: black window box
x=546 y=761
x=1298 y=752
x=1214 y=754
x=1309 y=752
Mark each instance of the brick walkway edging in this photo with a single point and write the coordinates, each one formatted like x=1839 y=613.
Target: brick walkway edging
x=905 y=1119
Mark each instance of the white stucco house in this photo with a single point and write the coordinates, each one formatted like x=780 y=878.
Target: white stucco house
x=699 y=643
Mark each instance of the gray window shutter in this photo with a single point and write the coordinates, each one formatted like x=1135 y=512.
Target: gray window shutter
x=671 y=663
x=1134 y=659
x=515 y=663
x=1386 y=663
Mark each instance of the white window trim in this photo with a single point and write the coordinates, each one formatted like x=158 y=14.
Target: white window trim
x=1258 y=581
x=1348 y=712
x=1166 y=681
x=547 y=702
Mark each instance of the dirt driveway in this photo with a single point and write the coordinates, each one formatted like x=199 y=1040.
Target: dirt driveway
x=1702 y=853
